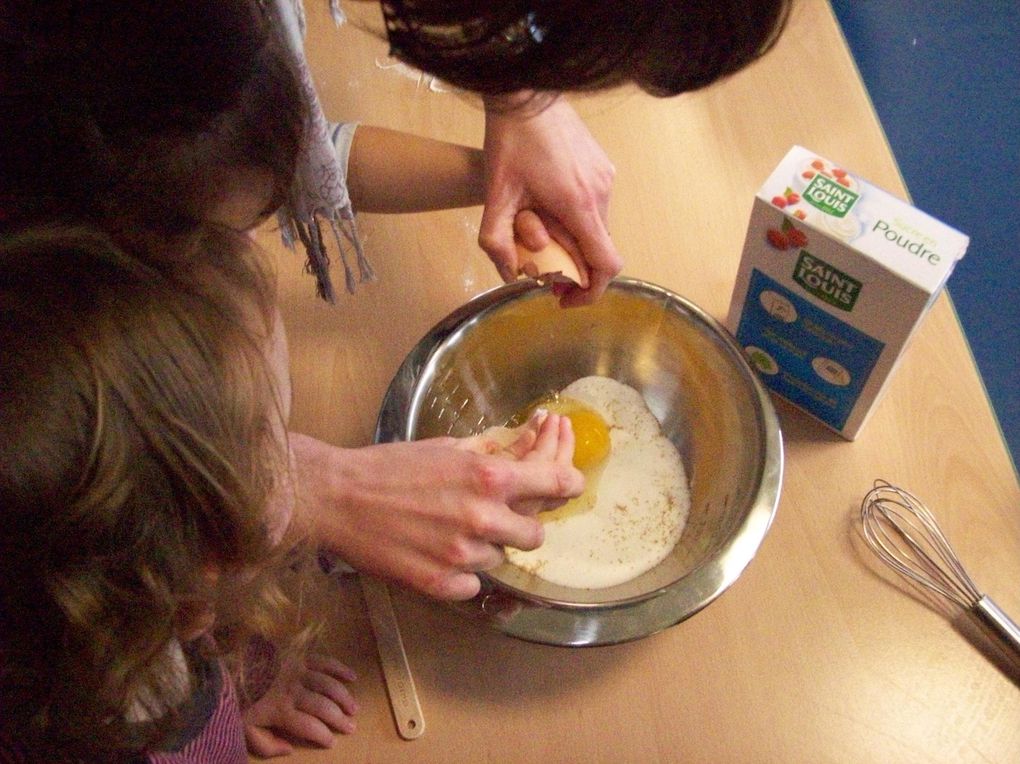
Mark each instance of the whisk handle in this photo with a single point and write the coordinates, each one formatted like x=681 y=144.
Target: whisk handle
x=1000 y=625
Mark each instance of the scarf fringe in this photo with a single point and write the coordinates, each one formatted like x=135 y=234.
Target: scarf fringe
x=319 y=193
x=339 y=17
x=347 y=238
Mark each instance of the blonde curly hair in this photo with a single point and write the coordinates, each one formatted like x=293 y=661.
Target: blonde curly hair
x=137 y=454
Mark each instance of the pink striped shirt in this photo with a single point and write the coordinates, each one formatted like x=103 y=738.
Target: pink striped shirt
x=215 y=737
x=220 y=741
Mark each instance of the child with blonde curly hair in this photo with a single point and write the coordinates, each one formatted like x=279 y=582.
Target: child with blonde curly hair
x=144 y=487
x=147 y=493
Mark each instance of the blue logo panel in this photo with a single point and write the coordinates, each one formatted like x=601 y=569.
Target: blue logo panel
x=803 y=353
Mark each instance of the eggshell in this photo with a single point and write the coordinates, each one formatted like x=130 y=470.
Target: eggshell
x=551 y=263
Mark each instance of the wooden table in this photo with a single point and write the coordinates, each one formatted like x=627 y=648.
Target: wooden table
x=815 y=654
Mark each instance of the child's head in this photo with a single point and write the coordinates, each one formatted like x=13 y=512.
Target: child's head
x=665 y=47
x=141 y=450
x=139 y=117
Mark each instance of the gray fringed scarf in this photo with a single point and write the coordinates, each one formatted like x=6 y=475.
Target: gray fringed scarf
x=319 y=192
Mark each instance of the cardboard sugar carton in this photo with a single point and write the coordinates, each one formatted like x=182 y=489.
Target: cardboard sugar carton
x=836 y=275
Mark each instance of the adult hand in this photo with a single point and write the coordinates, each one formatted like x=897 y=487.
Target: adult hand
x=544 y=159
x=430 y=514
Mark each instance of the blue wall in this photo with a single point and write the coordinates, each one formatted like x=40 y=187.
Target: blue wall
x=944 y=77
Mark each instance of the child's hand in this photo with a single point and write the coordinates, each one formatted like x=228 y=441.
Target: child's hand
x=309 y=705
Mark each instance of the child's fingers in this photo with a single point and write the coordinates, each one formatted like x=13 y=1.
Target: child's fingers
x=263 y=743
x=332 y=688
x=329 y=665
x=305 y=724
x=322 y=717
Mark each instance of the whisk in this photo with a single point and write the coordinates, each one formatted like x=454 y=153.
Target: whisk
x=903 y=532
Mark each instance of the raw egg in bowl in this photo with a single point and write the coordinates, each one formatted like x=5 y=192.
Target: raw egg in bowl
x=677 y=438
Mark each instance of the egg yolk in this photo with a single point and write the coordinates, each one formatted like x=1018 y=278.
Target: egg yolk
x=591 y=435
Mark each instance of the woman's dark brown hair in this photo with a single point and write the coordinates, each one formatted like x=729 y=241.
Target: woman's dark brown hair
x=131 y=115
x=138 y=451
x=666 y=47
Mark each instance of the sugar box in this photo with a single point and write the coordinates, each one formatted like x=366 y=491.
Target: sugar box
x=835 y=277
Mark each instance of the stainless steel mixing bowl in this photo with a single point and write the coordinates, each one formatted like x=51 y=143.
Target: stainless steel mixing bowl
x=513 y=345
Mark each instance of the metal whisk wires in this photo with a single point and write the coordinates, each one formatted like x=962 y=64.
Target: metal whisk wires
x=903 y=532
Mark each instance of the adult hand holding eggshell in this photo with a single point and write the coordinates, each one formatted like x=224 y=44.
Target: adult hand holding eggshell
x=540 y=156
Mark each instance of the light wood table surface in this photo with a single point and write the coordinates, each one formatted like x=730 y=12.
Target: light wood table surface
x=815 y=654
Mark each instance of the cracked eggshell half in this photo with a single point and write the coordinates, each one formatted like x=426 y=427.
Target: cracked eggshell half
x=552 y=263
